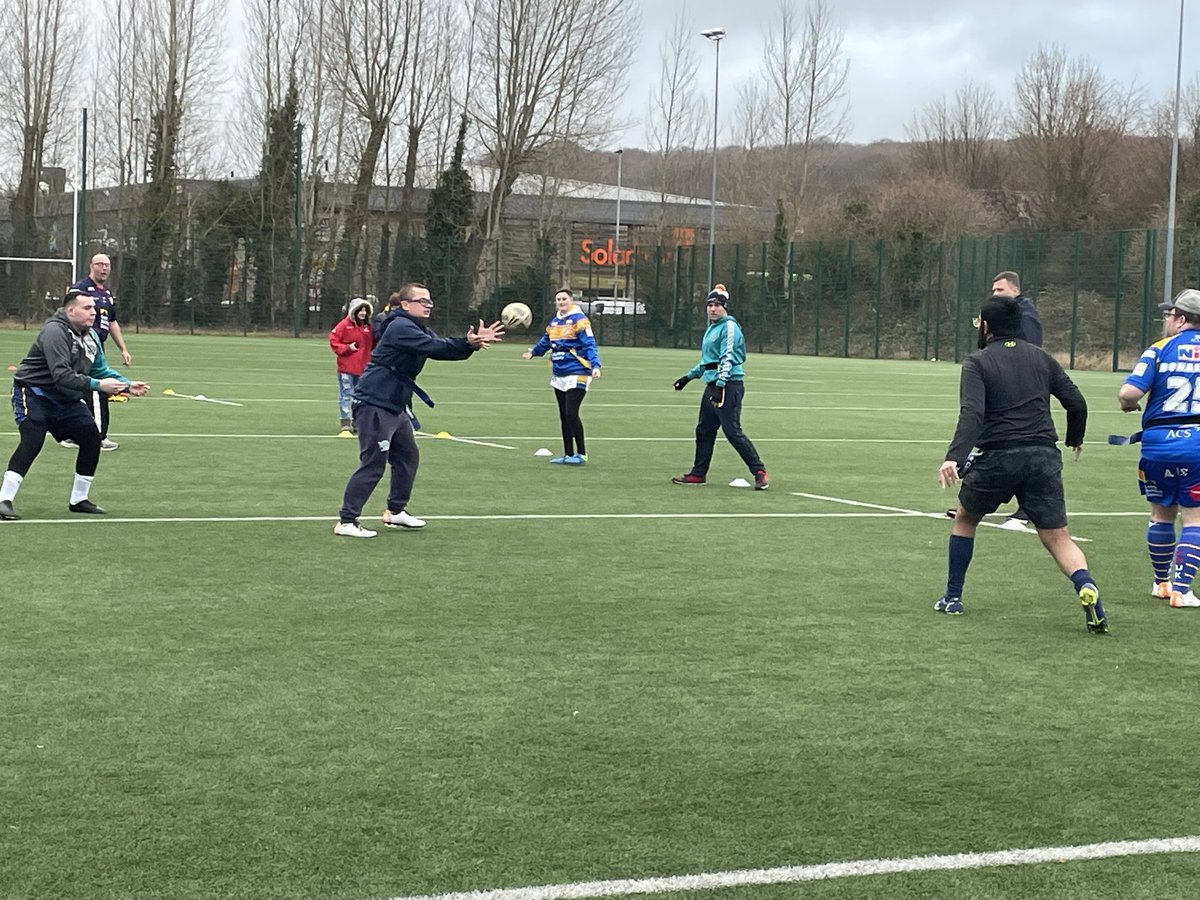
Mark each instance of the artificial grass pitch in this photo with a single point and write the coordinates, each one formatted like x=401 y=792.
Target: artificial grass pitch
x=570 y=674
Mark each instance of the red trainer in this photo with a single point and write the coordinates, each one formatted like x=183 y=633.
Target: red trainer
x=688 y=479
x=761 y=481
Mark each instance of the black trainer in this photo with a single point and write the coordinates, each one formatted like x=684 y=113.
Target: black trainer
x=6 y=510
x=86 y=506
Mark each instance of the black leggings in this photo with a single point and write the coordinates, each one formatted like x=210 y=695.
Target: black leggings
x=572 y=425
x=82 y=431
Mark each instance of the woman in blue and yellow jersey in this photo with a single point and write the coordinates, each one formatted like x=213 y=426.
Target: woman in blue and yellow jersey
x=574 y=362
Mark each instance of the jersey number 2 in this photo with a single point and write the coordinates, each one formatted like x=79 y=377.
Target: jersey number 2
x=1185 y=395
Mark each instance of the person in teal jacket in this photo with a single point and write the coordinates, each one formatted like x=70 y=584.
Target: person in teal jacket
x=722 y=353
x=64 y=365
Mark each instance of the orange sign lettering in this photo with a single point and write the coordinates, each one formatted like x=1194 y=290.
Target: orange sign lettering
x=605 y=254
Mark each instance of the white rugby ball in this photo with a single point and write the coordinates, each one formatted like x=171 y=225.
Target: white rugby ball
x=516 y=315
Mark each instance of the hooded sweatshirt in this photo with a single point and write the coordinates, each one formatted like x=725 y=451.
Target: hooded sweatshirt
x=64 y=364
x=352 y=340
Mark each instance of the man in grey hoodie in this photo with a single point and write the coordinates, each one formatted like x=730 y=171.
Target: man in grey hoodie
x=64 y=365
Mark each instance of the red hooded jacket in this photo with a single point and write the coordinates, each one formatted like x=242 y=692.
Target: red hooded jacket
x=352 y=341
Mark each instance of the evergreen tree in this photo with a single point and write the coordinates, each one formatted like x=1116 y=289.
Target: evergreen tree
x=277 y=199
x=156 y=231
x=448 y=220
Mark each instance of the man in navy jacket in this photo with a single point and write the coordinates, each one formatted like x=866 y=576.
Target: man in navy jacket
x=382 y=406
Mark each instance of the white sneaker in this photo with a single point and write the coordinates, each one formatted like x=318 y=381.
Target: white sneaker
x=106 y=444
x=69 y=444
x=352 y=529
x=1188 y=600
x=1160 y=589
x=1011 y=524
x=401 y=519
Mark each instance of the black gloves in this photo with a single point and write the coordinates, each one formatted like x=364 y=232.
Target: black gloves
x=717 y=397
x=681 y=383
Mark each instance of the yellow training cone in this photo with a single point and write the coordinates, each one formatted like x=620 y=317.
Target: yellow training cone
x=443 y=434
x=168 y=392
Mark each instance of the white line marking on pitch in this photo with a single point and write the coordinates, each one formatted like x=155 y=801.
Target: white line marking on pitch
x=914 y=512
x=796 y=874
x=112 y=520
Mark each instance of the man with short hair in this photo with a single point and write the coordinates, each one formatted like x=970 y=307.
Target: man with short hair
x=65 y=364
x=382 y=407
x=96 y=284
x=722 y=353
x=1004 y=396
x=1167 y=376
x=1008 y=284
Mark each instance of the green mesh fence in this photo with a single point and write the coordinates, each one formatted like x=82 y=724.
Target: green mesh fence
x=215 y=262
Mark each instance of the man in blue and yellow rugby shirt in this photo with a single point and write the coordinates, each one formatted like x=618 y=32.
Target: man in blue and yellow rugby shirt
x=722 y=353
x=64 y=365
x=574 y=362
x=1168 y=377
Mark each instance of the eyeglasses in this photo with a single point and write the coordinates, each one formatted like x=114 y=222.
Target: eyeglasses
x=424 y=301
x=1171 y=314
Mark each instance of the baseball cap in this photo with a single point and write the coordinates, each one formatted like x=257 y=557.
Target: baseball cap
x=1186 y=301
x=718 y=294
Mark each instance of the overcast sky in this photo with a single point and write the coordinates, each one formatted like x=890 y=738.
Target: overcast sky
x=904 y=53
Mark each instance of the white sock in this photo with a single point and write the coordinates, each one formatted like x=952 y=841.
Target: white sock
x=12 y=484
x=79 y=490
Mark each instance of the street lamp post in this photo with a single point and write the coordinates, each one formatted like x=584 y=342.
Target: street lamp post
x=715 y=35
x=617 y=236
x=1170 y=261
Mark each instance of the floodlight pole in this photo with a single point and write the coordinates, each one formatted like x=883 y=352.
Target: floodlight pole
x=1168 y=276
x=617 y=235
x=715 y=35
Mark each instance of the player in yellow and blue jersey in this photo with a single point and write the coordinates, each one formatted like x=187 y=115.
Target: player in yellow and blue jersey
x=1168 y=377
x=574 y=362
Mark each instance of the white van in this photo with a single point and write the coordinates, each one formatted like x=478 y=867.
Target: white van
x=613 y=306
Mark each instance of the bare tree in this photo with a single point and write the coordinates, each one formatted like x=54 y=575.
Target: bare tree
x=34 y=63
x=805 y=72
x=956 y=138
x=280 y=37
x=752 y=116
x=548 y=71
x=436 y=30
x=676 y=113
x=1069 y=119
x=368 y=60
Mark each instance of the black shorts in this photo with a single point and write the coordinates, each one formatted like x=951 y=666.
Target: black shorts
x=1032 y=474
x=59 y=417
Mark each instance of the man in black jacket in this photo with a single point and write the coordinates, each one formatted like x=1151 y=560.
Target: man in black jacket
x=1004 y=397
x=382 y=406
x=1008 y=284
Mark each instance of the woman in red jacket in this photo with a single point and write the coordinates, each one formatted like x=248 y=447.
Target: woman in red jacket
x=351 y=340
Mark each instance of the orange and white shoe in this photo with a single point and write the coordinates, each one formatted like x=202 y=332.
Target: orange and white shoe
x=1161 y=590
x=1184 y=601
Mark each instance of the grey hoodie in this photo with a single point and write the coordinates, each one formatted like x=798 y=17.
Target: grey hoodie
x=61 y=360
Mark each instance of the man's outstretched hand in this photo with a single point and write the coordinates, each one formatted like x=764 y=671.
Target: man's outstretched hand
x=483 y=336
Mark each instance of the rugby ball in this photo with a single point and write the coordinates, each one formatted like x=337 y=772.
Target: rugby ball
x=516 y=315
